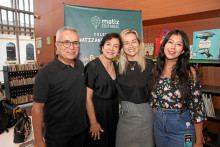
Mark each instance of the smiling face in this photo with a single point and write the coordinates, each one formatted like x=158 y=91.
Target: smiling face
x=111 y=48
x=174 y=47
x=67 y=54
x=131 y=46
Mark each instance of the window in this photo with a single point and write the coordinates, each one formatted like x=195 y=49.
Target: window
x=16 y=32
x=29 y=52
x=10 y=48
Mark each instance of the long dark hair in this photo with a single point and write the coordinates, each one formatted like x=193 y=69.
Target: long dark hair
x=181 y=69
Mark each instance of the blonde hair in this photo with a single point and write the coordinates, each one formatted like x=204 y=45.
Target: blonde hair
x=123 y=60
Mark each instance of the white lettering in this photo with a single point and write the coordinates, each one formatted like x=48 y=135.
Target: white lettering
x=90 y=39
x=100 y=34
x=111 y=21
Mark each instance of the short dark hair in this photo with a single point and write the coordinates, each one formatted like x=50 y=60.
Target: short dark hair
x=109 y=36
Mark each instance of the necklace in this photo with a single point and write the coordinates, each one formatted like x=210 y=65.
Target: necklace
x=110 y=71
x=132 y=66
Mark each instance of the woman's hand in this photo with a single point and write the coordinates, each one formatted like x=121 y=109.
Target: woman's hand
x=40 y=144
x=95 y=130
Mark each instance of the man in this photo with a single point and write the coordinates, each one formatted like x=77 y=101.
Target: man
x=60 y=96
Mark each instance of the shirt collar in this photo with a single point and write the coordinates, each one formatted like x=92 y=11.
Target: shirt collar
x=62 y=65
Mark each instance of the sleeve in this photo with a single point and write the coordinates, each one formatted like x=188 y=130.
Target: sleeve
x=41 y=87
x=90 y=74
x=196 y=103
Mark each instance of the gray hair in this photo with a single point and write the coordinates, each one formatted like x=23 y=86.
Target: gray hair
x=64 y=29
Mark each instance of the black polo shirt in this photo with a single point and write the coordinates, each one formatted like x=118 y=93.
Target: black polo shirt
x=62 y=89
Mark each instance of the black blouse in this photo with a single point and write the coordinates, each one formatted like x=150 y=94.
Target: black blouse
x=132 y=85
x=99 y=80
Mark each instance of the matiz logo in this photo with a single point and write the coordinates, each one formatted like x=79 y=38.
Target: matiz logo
x=95 y=21
x=106 y=23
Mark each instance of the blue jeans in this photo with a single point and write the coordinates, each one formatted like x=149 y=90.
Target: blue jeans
x=170 y=127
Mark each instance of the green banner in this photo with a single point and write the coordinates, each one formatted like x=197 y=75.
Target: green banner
x=93 y=23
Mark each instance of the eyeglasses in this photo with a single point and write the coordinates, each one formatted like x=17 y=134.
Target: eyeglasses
x=68 y=43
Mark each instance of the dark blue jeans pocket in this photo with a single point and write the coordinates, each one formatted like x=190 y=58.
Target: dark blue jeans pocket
x=184 y=117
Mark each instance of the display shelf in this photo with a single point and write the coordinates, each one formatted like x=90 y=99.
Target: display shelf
x=217 y=118
x=204 y=61
x=19 y=82
x=210 y=144
x=214 y=140
x=154 y=60
x=201 y=61
x=211 y=89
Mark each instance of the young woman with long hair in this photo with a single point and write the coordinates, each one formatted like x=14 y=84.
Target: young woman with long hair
x=176 y=93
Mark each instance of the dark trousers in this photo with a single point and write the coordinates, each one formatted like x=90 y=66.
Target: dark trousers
x=69 y=141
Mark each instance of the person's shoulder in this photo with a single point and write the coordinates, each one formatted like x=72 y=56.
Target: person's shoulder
x=149 y=61
x=46 y=70
x=79 y=62
x=92 y=63
x=47 y=66
x=78 y=65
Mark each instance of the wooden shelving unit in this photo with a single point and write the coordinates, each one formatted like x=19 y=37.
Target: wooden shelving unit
x=19 y=82
x=211 y=89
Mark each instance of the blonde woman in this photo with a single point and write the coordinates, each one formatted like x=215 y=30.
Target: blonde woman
x=135 y=126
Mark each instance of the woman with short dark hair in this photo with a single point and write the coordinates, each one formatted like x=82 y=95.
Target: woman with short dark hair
x=102 y=104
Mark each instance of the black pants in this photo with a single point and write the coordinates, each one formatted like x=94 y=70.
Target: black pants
x=70 y=141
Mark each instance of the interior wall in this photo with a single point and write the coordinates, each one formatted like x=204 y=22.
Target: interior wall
x=52 y=17
x=188 y=26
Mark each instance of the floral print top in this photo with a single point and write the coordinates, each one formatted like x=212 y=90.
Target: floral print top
x=168 y=96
